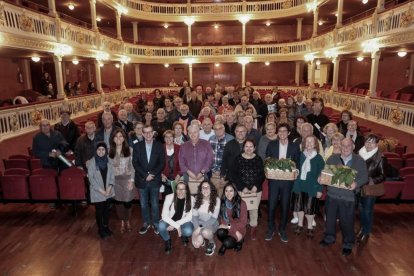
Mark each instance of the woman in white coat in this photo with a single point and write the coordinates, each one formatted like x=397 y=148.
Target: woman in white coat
x=101 y=182
x=177 y=213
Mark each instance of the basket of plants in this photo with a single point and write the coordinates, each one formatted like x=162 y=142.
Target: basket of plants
x=339 y=176
x=280 y=169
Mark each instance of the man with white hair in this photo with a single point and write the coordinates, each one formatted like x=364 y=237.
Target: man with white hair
x=106 y=109
x=207 y=129
x=107 y=129
x=123 y=122
x=196 y=156
x=133 y=116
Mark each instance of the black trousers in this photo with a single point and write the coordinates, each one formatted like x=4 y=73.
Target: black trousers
x=228 y=241
x=279 y=189
x=102 y=214
x=345 y=212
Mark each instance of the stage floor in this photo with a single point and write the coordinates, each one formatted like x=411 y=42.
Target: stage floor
x=36 y=240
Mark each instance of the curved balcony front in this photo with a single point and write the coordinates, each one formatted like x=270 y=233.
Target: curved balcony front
x=211 y=11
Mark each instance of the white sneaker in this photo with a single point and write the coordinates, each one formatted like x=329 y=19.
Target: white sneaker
x=294 y=220
x=313 y=223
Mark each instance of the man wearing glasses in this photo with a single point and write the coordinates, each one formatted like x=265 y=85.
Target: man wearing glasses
x=148 y=160
x=232 y=149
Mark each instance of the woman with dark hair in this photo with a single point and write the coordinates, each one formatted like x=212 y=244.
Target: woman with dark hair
x=233 y=220
x=295 y=132
x=158 y=99
x=376 y=164
x=205 y=214
x=148 y=117
x=120 y=155
x=283 y=117
x=101 y=182
x=68 y=89
x=342 y=125
x=306 y=190
x=250 y=176
x=91 y=88
x=176 y=214
x=172 y=167
x=77 y=90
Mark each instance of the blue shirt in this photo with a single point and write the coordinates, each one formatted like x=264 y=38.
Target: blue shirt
x=148 y=148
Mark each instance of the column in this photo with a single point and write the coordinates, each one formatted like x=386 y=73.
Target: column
x=137 y=75
x=57 y=60
x=297 y=72
x=411 y=71
x=315 y=22
x=93 y=15
x=64 y=72
x=335 y=78
x=347 y=74
x=340 y=11
x=243 y=75
x=52 y=8
x=375 y=57
x=312 y=74
x=189 y=38
x=380 y=5
x=190 y=74
x=122 y=76
x=299 y=28
x=135 y=31
x=98 y=83
x=26 y=72
x=243 y=39
x=118 y=25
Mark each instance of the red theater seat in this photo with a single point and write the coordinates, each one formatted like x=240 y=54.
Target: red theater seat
x=17 y=171
x=409 y=162
x=15 y=187
x=391 y=155
x=72 y=184
x=395 y=162
x=19 y=156
x=43 y=187
x=45 y=171
x=407 y=192
x=35 y=164
x=406 y=171
x=392 y=189
x=15 y=163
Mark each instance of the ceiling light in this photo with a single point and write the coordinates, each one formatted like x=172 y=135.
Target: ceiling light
x=360 y=58
x=36 y=58
x=318 y=62
x=312 y=6
x=309 y=57
x=125 y=59
x=102 y=56
x=98 y=19
x=364 y=1
x=370 y=46
x=244 y=19
x=63 y=50
x=101 y=64
x=166 y=65
x=71 y=6
x=75 y=61
x=122 y=9
x=166 y=25
x=189 y=21
x=268 y=23
x=244 y=60
x=117 y=65
x=216 y=26
x=402 y=53
x=217 y=64
x=189 y=61
x=267 y=63
x=336 y=14
x=320 y=23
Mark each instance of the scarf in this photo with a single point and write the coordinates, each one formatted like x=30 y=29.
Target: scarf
x=101 y=162
x=229 y=206
x=367 y=155
x=306 y=167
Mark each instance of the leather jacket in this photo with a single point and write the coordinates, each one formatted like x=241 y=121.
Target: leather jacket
x=376 y=166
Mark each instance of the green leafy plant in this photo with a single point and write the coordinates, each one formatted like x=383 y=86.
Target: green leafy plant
x=279 y=164
x=341 y=174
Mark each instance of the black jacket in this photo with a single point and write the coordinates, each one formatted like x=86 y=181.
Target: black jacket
x=376 y=166
x=70 y=132
x=231 y=151
x=293 y=153
x=84 y=150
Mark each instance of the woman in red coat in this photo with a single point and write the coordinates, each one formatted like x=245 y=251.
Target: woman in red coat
x=233 y=220
x=171 y=168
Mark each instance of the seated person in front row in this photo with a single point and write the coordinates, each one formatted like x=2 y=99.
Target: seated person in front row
x=176 y=214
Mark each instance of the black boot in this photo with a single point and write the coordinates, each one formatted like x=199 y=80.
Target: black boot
x=239 y=246
x=108 y=231
x=222 y=250
x=168 y=247
x=184 y=240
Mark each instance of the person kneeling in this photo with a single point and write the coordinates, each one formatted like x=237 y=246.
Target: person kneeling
x=176 y=215
x=233 y=220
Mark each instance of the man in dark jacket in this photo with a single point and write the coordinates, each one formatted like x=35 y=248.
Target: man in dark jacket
x=317 y=118
x=68 y=128
x=107 y=129
x=340 y=203
x=232 y=149
x=85 y=146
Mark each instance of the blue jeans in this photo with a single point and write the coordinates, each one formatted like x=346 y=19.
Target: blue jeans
x=366 y=213
x=186 y=230
x=150 y=194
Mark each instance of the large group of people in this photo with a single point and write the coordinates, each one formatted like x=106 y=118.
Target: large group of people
x=204 y=150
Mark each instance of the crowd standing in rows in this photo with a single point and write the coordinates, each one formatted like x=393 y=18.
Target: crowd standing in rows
x=217 y=139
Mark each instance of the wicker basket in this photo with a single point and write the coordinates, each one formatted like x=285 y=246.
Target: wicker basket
x=326 y=179
x=281 y=175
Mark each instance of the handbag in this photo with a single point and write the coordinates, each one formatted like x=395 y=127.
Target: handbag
x=252 y=200
x=122 y=193
x=373 y=190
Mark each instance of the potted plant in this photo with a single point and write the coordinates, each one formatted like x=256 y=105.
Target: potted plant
x=339 y=176
x=280 y=169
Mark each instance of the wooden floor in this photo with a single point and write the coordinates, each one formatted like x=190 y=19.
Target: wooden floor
x=35 y=240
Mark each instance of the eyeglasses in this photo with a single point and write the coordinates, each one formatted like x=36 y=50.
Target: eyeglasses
x=205 y=188
x=147 y=132
x=181 y=190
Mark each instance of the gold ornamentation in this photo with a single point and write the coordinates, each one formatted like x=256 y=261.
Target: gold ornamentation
x=387 y=23
x=348 y=104
x=146 y=8
x=378 y=112
x=36 y=117
x=149 y=52
x=14 y=122
x=26 y=23
x=217 y=52
x=396 y=116
x=80 y=37
x=255 y=51
x=86 y=106
x=287 y=4
x=233 y=8
x=217 y=9
x=200 y=9
x=178 y=52
x=233 y=51
x=353 y=34
x=256 y=7
x=2 y=21
x=407 y=19
x=201 y=52
x=285 y=50
x=177 y=10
